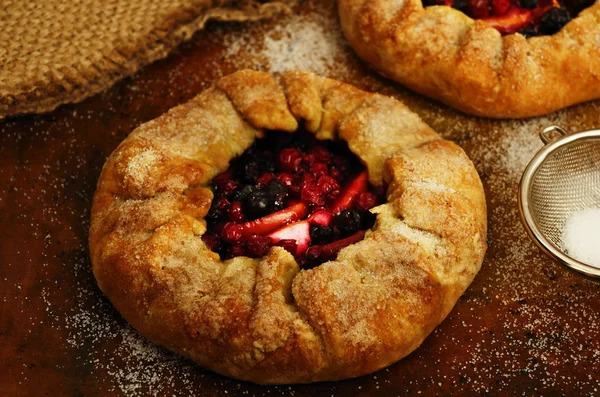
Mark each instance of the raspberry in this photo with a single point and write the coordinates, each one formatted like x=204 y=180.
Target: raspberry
x=258 y=246
x=235 y=250
x=329 y=186
x=312 y=196
x=231 y=233
x=286 y=178
x=212 y=241
x=290 y=160
x=319 y=169
x=366 y=201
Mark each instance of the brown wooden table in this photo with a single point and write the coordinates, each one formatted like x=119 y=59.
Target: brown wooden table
x=526 y=326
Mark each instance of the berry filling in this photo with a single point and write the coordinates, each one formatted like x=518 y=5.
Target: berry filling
x=311 y=198
x=528 y=17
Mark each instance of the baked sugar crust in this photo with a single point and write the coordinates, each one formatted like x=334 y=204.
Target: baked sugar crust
x=444 y=54
x=266 y=320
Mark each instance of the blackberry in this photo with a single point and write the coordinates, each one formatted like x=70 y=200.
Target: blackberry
x=347 y=222
x=321 y=234
x=554 y=20
x=529 y=4
x=257 y=204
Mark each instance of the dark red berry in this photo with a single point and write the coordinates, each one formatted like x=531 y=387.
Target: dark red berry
x=231 y=233
x=308 y=180
x=321 y=154
x=212 y=241
x=258 y=246
x=236 y=250
x=228 y=187
x=312 y=196
x=265 y=178
x=366 y=201
x=290 y=159
x=499 y=7
x=236 y=213
x=286 y=178
x=222 y=203
x=329 y=186
x=319 y=169
x=289 y=245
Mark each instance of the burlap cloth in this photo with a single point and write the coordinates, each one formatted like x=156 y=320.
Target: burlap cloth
x=58 y=51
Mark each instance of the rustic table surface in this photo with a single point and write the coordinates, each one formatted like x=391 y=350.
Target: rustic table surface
x=526 y=326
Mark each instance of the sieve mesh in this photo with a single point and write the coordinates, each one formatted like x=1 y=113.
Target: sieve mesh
x=567 y=181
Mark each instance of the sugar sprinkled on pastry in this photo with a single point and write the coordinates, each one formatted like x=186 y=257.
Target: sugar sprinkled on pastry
x=482 y=64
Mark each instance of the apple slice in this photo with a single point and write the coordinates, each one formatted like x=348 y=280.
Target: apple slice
x=274 y=221
x=322 y=217
x=347 y=195
x=514 y=20
x=299 y=231
x=318 y=254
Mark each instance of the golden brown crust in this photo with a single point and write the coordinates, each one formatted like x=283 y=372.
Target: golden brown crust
x=442 y=53
x=266 y=320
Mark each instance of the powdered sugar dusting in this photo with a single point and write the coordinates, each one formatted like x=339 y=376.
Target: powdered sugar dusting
x=297 y=43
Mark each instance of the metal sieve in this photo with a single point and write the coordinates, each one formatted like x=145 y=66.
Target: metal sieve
x=562 y=178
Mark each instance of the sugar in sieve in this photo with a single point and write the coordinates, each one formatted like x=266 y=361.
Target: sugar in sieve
x=561 y=179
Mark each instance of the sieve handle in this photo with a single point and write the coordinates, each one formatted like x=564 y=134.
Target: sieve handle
x=545 y=135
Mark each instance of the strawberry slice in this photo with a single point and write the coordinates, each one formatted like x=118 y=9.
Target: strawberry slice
x=299 y=231
x=271 y=222
x=346 y=197
x=317 y=254
x=514 y=20
x=322 y=218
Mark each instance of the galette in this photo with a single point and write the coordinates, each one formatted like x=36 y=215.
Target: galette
x=287 y=231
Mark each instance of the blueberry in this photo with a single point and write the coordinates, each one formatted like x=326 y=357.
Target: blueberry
x=257 y=204
x=554 y=20
x=347 y=222
x=529 y=4
x=252 y=171
x=275 y=189
x=460 y=4
x=367 y=219
x=528 y=32
x=244 y=191
x=321 y=234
